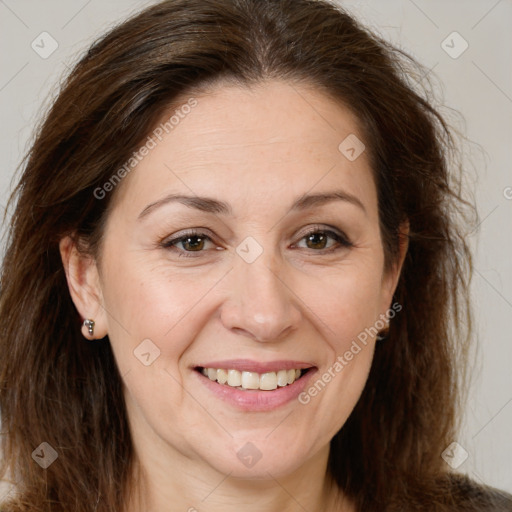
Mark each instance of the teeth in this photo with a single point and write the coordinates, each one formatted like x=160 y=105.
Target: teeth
x=222 y=376
x=268 y=381
x=252 y=380
x=282 y=378
x=234 y=378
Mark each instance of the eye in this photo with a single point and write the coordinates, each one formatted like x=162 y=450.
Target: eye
x=191 y=241
x=318 y=237
x=194 y=241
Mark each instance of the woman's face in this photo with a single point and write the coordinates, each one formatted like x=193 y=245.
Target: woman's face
x=269 y=261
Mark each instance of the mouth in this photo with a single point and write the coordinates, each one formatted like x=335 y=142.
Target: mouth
x=252 y=381
x=255 y=387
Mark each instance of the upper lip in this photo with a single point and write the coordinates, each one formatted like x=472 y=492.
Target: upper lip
x=248 y=365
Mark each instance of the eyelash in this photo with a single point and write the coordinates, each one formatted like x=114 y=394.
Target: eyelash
x=342 y=240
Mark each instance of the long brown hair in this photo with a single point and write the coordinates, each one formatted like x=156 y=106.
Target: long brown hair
x=60 y=389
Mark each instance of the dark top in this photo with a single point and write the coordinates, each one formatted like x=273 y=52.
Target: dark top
x=478 y=497
x=456 y=493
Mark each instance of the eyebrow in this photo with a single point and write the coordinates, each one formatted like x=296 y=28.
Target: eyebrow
x=210 y=205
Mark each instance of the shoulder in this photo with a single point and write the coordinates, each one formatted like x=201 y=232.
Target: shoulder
x=451 y=492
x=471 y=496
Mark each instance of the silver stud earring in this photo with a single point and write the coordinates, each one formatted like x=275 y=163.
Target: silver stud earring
x=89 y=325
x=382 y=335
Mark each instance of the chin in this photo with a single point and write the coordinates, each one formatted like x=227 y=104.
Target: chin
x=262 y=459
x=263 y=470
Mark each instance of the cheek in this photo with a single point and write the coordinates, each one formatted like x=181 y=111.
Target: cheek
x=151 y=325
x=346 y=305
x=154 y=304
x=346 y=301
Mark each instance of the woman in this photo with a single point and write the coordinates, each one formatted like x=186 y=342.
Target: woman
x=235 y=278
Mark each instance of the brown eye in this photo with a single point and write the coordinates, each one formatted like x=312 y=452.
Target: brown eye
x=190 y=242
x=317 y=240
x=195 y=243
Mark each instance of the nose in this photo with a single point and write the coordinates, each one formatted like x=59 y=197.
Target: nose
x=261 y=305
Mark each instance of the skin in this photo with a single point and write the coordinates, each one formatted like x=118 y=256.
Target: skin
x=257 y=149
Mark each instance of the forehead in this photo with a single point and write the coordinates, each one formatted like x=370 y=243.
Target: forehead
x=274 y=139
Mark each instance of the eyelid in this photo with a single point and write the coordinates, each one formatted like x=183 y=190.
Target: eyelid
x=323 y=228
x=176 y=237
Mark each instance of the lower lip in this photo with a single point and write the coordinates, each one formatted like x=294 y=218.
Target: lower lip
x=255 y=400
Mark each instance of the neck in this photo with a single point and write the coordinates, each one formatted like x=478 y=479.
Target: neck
x=180 y=484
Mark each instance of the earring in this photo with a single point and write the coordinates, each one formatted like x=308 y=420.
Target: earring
x=89 y=325
x=382 y=335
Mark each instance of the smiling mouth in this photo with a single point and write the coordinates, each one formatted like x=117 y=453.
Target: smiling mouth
x=252 y=381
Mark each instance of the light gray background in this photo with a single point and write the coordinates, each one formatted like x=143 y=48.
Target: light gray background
x=478 y=84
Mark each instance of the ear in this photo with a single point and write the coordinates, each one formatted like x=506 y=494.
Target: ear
x=390 y=278
x=84 y=286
